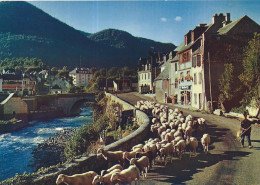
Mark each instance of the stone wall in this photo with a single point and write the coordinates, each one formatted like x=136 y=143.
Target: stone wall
x=95 y=163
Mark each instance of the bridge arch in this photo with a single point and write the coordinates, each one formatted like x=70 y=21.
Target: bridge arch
x=75 y=107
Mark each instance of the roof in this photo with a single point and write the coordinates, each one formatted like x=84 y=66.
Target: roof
x=7 y=99
x=164 y=75
x=11 y=77
x=186 y=47
x=175 y=58
x=179 y=47
x=228 y=27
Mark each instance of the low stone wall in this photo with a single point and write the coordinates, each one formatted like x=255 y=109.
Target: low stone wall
x=95 y=163
x=125 y=105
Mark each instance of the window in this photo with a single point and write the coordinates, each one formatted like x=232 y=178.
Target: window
x=176 y=83
x=198 y=60
x=181 y=77
x=195 y=98
x=195 y=79
x=188 y=76
x=148 y=75
x=200 y=78
x=176 y=67
x=193 y=61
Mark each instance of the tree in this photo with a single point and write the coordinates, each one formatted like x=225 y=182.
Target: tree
x=251 y=69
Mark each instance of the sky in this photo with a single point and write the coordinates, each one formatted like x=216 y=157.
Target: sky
x=164 y=21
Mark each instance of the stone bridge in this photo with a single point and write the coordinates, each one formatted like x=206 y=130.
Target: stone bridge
x=68 y=103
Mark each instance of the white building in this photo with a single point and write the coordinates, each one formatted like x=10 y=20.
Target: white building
x=81 y=76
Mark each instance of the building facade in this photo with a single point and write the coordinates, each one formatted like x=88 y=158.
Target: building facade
x=148 y=70
x=205 y=51
x=19 y=84
x=81 y=76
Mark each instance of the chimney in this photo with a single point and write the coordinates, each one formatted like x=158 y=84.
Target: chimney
x=218 y=19
x=214 y=18
x=228 y=18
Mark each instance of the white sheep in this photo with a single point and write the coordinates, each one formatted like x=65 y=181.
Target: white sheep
x=192 y=143
x=137 y=146
x=128 y=175
x=105 y=178
x=142 y=164
x=129 y=155
x=188 y=132
x=111 y=156
x=180 y=147
x=166 y=151
x=116 y=166
x=205 y=140
x=77 y=179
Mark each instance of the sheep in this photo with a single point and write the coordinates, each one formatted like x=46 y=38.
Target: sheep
x=205 y=140
x=154 y=120
x=188 y=132
x=128 y=175
x=129 y=155
x=192 y=143
x=152 y=147
x=169 y=137
x=112 y=156
x=138 y=150
x=161 y=129
x=180 y=146
x=142 y=164
x=137 y=146
x=148 y=154
x=105 y=178
x=177 y=133
x=166 y=151
x=117 y=166
x=77 y=179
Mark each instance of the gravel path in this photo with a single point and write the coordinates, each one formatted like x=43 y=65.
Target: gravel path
x=226 y=163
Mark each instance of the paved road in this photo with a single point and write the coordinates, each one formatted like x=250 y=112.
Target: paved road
x=227 y=162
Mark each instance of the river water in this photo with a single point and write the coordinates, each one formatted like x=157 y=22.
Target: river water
x=16 y=148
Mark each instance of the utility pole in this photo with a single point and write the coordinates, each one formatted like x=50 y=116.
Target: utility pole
x=106 y=81
x=210 y=90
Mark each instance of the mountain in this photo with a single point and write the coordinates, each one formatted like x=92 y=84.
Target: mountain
x=26 y=31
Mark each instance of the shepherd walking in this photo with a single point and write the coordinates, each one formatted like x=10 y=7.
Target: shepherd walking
x=246 y=130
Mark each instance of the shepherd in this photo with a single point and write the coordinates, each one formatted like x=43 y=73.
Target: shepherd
x=246 y=130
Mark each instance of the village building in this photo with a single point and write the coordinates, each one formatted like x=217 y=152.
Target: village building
x=205 y=51
x=81 y=76
x=12 y=106
x=17 y=83
x=162 y=84
x=148 y=70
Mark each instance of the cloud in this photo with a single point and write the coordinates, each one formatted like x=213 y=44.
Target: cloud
x=178 y=18
x=163 y=19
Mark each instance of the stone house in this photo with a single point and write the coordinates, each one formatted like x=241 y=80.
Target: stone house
x=13 y=107
x=214 y=45
x=148 y=70
x=162 y=84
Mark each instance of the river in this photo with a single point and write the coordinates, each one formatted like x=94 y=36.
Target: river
x=16 y=148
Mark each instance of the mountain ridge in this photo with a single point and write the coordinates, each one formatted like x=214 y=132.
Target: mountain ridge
x=27 y=31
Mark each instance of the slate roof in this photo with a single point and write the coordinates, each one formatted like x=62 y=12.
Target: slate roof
x=179 y=47
x=164 y=75
x=228 y=27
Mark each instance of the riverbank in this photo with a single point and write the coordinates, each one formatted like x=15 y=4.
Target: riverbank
x=16 y=148
x=51 y=151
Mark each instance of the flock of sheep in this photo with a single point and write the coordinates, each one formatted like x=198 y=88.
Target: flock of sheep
x=172 y=136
